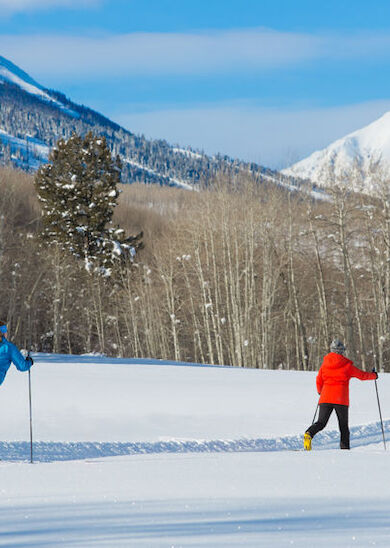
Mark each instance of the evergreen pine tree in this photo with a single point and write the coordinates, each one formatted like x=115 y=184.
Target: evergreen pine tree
x=78 y=192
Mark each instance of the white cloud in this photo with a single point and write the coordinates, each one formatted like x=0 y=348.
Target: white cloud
x=208 y=52
x=271 y=137
x=9 y=7
x=155 y=53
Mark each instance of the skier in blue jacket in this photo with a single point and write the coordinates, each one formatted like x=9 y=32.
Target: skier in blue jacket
x=9 y=353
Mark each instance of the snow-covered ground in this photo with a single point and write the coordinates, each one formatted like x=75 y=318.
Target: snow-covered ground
x=149 y=453
x=36 y=151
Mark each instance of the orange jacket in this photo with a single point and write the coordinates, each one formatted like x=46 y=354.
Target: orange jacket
x=333 y=378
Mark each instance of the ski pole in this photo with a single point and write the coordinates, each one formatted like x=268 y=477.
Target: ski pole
x=30 y=405
x=28 y=306
x=315 y=413
x=29 y=384
x=380 y=412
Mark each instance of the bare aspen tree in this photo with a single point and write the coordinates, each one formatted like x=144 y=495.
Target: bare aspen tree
x=205 y=303
x=58 y=298
x=383 y=280
x=194 y=321
x=98 y=312
x=172 y=309
x=377 y=224
x=270 y=276
x=376 y=271
x=251 y=325
x=233 y=291
x=127 y=299
x=351 y=296
x=214 y=294
x=301 y=349
x=320 y=285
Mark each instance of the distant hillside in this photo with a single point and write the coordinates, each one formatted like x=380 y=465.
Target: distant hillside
x=33 y=118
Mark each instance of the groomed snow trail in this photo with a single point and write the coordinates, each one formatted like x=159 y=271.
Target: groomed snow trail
x=369 y=434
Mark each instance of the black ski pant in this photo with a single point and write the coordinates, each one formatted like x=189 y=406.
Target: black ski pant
x=323 y=417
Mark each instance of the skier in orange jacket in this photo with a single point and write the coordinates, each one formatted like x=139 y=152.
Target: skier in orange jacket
x=333 y=386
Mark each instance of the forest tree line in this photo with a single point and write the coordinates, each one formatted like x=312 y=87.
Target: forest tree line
x=250 y=275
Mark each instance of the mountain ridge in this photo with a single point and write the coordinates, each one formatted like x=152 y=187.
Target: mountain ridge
x=9 y=70
x=33 y=118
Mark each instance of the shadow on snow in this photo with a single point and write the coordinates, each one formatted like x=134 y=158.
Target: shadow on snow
x=144 y=522
x=63 y=451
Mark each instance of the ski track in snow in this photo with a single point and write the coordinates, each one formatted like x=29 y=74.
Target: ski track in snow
x=19 y=451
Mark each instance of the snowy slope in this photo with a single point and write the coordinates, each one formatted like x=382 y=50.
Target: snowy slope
x=173 y=182
x=367 y=145
x=204 y=459
x=11 y=73
x=38 y=150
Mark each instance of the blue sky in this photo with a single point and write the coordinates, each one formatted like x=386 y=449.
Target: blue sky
x=267 y=81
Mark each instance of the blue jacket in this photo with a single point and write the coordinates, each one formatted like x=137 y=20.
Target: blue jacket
x=9 y=353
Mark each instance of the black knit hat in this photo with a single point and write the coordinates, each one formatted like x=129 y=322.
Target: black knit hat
x=337 y=346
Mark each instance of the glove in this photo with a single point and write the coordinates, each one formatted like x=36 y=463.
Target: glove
x=373 y=370
x=30 y=360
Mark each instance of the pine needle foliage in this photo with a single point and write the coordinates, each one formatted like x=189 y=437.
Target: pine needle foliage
x=78 y=191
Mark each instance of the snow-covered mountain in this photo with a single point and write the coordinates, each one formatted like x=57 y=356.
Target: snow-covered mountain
x=33 y=118
x=362 y=147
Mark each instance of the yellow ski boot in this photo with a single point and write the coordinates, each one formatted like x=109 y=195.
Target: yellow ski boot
x=307 y=441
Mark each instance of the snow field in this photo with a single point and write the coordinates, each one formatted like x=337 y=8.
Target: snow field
x=227 y=494
x=251 y=499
